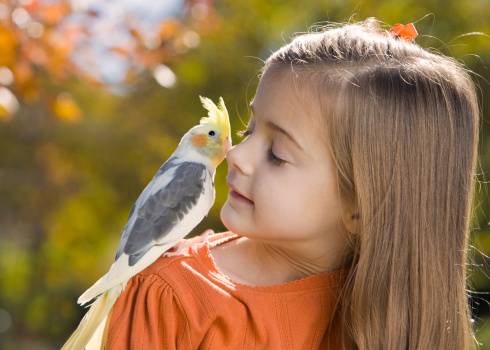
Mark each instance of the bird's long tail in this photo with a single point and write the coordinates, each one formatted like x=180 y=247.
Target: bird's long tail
x=91 y=333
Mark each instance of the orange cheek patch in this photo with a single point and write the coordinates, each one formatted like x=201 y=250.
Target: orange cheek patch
x=199 y=140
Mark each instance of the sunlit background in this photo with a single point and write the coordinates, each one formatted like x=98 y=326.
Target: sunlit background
x=95 y=95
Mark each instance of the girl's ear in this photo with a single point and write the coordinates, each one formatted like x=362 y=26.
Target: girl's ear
x=352 y=221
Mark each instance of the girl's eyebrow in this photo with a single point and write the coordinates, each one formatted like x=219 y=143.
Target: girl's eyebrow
x=279 y=129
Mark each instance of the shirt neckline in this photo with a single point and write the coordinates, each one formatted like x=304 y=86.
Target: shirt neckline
x=330 y=280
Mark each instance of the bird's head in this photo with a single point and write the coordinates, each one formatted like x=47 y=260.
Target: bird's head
x=212 y=138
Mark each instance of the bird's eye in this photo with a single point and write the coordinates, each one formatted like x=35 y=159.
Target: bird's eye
x=211 y=133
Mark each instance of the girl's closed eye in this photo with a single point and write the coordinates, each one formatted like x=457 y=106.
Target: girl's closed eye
x=271 y=157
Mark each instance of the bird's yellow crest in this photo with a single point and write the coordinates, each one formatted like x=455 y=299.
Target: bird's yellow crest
x=217 y=116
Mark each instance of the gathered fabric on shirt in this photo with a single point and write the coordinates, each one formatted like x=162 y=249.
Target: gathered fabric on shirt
x=185 y=302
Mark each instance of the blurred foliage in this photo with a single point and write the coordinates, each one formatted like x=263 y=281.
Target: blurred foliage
x=76 y=149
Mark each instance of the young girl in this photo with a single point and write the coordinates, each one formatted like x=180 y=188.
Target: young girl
x=348 y=211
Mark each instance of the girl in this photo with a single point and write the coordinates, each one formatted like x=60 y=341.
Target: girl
x=348 y=211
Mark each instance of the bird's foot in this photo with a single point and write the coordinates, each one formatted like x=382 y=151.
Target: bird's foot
x=185 y=243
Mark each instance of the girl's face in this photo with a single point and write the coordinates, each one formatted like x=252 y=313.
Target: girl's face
x=282 y=180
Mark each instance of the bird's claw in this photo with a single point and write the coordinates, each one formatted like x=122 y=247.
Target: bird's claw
x=185 y=243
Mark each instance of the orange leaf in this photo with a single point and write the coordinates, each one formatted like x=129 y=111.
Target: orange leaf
x=169 y=29
x=150 y=58
x=66 y=108
x=33 y=7
x=22 y=72
x=136 y=34
x=120 y=50
x=53 y=13
x=34 y=52
x=8 y=47
x=92 y=13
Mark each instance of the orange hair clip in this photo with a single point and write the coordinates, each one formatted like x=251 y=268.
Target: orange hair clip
x=407 y=33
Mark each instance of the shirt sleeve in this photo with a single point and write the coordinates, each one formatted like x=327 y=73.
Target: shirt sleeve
x=148 y=315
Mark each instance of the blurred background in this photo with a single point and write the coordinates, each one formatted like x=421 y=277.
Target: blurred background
x=96 y=94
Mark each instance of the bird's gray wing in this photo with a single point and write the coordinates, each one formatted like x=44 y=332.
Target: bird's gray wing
x=162 y=208
x=165 y=168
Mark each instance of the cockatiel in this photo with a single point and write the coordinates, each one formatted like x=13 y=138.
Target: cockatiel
x=174 y=202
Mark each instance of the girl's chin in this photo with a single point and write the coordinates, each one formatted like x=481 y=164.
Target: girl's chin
x=230 y=217
x=224 y=216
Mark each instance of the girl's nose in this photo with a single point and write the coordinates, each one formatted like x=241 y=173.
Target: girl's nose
x=239 y=157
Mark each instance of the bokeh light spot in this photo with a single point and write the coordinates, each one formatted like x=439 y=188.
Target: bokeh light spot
x=164 y=76
x=5 y=321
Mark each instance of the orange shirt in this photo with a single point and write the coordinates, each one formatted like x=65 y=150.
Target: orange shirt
x=185 y=302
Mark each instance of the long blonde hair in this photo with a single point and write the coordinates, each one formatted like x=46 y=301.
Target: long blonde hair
x=402 y=125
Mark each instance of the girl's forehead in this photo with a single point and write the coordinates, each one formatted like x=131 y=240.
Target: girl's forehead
x=286 y=100
x=287 y=96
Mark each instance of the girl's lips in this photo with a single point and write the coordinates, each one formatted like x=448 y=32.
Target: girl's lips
x=238 y=196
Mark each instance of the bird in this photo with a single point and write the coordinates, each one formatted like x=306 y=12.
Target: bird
x=178 y=197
